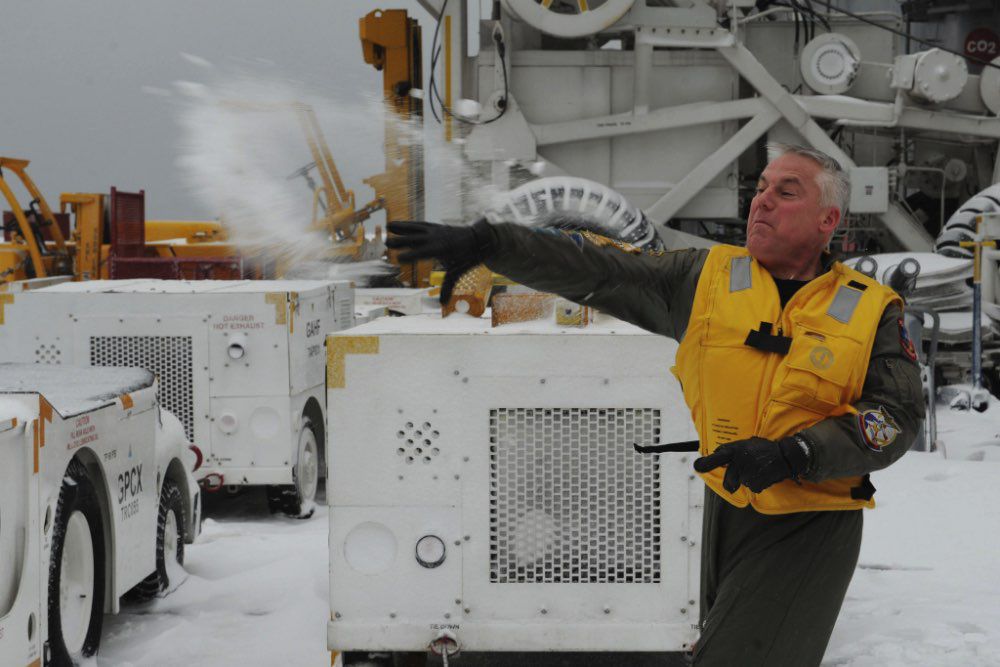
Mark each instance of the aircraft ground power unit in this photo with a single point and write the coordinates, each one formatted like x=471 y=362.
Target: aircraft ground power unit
x=489 y=497
x=241 y=364
x=97 y=500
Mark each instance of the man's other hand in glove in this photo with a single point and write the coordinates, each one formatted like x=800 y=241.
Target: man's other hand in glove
x=458 y=247
x=757 y=463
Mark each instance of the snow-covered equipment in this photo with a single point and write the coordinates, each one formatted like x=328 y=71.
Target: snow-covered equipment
x=241 y=364
x=961 y=226
x=582 y=204
x=97 y=499
x=491 y=489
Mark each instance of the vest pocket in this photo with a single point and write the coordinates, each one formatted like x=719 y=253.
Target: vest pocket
x=816 y=372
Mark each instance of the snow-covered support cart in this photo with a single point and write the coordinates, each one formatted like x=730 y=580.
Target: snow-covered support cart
x=241 y=363
x=485 y=494
x=96 y=500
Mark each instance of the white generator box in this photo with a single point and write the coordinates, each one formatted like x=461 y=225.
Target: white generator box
x=241 y=363
x=485 y=493
x=86 y=459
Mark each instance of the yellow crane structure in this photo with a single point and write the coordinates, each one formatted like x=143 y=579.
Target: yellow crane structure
x=39 y=248
x=29 y=255
x=333 y=207
x=391 y=43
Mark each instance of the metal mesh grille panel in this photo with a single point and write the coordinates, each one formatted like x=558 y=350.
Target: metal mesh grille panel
x=167 y=356
x=570 y=500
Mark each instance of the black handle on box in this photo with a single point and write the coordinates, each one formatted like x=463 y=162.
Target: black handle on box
x=682 y=446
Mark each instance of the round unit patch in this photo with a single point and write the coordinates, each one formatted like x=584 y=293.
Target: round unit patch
x=821 y=357
x=878 y=429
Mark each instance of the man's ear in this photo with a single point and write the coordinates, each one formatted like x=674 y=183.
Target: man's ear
x=831 y=218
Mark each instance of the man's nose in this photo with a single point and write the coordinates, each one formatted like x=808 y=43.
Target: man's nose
x=765 y=198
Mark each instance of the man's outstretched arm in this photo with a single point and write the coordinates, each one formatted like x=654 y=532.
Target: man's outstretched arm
x=653 y=291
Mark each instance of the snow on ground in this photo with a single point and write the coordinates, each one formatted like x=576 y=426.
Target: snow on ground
x=256 y=594
x=926 y=592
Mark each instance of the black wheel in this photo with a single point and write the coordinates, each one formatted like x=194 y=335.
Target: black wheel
x=169 y=542
x=298 y=500
x=76 y=571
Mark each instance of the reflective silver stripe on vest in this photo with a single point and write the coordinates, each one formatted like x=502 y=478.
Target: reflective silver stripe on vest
x=739 y=274
x=844 y=304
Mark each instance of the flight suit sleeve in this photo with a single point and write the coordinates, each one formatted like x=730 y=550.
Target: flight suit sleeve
x=654 y=291
x=891 y=408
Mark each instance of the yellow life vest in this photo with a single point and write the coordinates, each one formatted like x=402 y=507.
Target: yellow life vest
x=749 y=367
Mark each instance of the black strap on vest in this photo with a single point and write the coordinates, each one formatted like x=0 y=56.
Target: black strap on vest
x=765 y=341
x=865 y=490
x=683 y=446
x=861 y=287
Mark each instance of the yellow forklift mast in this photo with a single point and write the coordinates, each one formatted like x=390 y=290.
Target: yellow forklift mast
x=391 y=43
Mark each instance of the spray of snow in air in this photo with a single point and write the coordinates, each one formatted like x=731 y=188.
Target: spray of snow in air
x=245 y=156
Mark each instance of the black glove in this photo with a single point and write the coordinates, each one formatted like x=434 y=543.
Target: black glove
x=458 y=248
x=757 y=463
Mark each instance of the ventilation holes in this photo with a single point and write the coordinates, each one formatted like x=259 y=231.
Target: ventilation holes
x=417 y=443
x=48 y=354
x=344 y=313
x=570 y=500
x=167 y=356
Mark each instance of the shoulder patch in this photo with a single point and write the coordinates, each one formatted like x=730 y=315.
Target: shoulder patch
x=878 y=428
x=906 y=342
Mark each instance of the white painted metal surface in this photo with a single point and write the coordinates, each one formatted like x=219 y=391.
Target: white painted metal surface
x=241 y=363
x=661 y=127
x=108 y=420
x=585 y=21
x=513 y=446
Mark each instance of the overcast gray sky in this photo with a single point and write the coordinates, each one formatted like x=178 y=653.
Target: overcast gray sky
x=85 y=83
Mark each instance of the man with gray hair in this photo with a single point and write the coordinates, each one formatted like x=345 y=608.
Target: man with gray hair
x=800 y=378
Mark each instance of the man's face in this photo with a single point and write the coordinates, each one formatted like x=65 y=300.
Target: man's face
x=787 y=225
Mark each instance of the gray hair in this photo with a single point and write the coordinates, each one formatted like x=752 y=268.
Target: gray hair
x=834 y=183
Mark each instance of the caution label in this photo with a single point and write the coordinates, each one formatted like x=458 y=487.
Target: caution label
x=237 y=323
x=83 y=433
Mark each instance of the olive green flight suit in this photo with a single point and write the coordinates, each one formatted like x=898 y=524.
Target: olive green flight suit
x=772 y=586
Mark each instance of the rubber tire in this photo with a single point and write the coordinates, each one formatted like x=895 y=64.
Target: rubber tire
x=76 y=495
x=286 y=498
x=171 y=501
